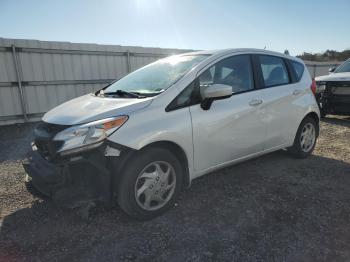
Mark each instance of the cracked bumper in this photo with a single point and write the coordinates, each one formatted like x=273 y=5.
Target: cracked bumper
x=80 y=178
x=71 y=181
x=45 y=176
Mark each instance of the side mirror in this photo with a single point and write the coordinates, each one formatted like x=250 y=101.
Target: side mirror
x=332 y=69
x=214 y=92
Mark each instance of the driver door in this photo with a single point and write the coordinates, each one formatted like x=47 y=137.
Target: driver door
x=232 y=128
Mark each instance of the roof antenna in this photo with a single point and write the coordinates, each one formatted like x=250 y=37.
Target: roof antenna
x=264 y=47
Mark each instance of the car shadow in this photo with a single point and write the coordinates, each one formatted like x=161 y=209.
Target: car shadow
x=337 y=120
x=270 y=208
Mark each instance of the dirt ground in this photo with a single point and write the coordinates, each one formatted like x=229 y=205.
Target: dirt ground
x=273 y=208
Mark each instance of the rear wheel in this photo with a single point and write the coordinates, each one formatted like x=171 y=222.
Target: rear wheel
x=305 y=139
x=150 y=183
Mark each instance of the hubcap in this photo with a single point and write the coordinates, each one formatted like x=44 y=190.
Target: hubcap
x=155 y=185
x=308 y=137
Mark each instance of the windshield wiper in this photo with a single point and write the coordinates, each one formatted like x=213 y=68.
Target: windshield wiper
x=123 y=93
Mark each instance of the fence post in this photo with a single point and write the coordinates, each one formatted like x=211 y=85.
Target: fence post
x=19 y=81
x=314 y=71
x=128 y=61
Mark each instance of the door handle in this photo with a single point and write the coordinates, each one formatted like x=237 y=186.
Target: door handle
x=255 y=102
x=296 y=92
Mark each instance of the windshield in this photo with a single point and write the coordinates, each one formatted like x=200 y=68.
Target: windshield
x=158 y=76
x=345 y=67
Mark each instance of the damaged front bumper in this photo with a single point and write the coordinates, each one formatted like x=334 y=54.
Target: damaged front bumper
x=78 y=179
x=335 y=98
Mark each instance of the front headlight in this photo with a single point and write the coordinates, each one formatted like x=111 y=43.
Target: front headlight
x=320 y=87
x=87 y=136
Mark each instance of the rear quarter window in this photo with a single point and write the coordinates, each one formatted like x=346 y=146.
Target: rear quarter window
x=274 y=70
x=298 y=69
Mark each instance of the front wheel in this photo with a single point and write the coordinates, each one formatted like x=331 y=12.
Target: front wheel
x=150 y=183
x=305 y=139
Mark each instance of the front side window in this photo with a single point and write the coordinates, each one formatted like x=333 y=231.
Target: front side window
x=186 y=98
x=274 y=70
x=345 y=67
x=235 y=71
x=158 y=76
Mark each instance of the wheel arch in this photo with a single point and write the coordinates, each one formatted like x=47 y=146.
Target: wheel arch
x=178 y=152
x=315 y=117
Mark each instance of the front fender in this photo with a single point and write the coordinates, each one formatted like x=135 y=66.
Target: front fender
x=155 y=125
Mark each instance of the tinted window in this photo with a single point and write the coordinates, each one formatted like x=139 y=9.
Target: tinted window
x=186 y=98
x=235 y=71
x=274 y=70
x=299 y=69
x=345 y=67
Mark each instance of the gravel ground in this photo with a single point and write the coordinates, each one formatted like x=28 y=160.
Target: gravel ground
x=273 y=208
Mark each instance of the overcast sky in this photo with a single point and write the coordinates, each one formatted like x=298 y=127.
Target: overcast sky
x=296 y=25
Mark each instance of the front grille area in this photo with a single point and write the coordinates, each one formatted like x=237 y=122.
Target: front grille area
x=43 y=139
x=51 y=128
x=336 y=97
x=338 y=92
x=339 y=88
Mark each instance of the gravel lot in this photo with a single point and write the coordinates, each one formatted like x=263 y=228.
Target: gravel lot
x=273 y=208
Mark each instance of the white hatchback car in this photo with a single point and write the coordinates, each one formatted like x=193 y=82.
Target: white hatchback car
x=141 y=139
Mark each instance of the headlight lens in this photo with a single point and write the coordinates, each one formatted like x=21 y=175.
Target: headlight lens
x=88 y=135
x=320 y=87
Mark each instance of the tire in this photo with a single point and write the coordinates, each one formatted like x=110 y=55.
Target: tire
x=300 y=149
x=142 y=174
x=323 y=113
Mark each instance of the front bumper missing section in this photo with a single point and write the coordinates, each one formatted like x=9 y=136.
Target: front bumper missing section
x=77 y=180
x=335 y=99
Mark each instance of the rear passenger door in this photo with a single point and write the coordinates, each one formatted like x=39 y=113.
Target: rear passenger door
x=283 y=100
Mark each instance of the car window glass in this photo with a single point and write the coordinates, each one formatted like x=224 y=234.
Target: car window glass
x=299 y=69
x=235 y=71
x=158 y=76
x=274 y=70
x=345 y=67
x=186 y=98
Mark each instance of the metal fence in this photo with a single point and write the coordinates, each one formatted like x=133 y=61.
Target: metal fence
x=36 y=76
x=320 y=68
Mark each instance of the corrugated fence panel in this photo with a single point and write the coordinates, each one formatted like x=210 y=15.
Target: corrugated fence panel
x=54 y=72
x=10 y=103
x=9 y=95
x=51 y=73
x=319 y=69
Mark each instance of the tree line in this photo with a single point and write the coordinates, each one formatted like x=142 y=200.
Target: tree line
x=329 y=55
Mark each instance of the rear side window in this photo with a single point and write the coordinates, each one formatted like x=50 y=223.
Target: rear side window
x=274 y=70
x=298 y=69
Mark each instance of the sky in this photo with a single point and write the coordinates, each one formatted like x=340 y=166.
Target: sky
x=296 y=25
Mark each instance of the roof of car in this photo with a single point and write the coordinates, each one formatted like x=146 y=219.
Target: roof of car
x=237 y=50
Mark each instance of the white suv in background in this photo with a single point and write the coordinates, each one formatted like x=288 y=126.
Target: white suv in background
x=333 y=90
x=141 y=139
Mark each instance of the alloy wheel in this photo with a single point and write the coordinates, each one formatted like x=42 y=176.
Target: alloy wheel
x=307 y=137
x=155 y=185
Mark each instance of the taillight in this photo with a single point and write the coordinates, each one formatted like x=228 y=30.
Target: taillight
x=313 y=86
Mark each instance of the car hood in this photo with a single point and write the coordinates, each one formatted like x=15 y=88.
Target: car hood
x=334 y=77
x=89 y=108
